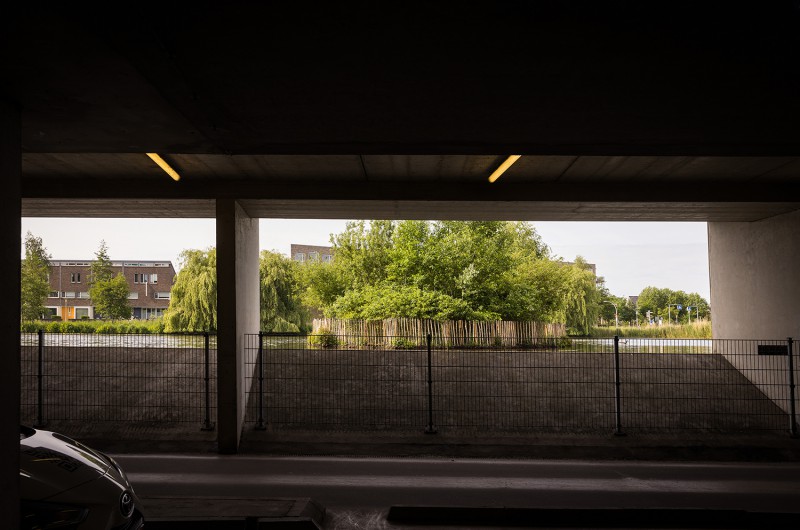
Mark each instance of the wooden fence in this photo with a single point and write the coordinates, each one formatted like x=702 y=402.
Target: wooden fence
x=409 y=332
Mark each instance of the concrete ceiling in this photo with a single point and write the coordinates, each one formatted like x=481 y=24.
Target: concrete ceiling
x=623 y=111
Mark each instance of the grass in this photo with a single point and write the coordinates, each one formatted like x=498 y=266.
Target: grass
x=695 y=330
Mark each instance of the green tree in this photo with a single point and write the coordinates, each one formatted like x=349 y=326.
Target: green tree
x=109 y=294
x=581 y=296
x=663 y=303
x=34 y=282
x=362 y=253
x=193 y=302
x=110 y=297
x=101 y=269
x=446 y=269
x=281 y=308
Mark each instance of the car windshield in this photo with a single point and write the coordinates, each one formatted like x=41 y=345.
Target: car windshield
x=25 y=432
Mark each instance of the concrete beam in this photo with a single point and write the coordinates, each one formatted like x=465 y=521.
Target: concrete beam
x=424 y=189
x=237 y=315
x=11 y=172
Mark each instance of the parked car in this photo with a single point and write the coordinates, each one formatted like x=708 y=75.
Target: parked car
x=65 y=485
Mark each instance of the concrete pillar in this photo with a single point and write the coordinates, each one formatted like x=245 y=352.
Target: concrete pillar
x=237 y=315
x=11 y=173
x=755 y=294
x=755 y=278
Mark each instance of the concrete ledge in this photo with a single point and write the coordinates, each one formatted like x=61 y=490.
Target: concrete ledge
x=591 y=518
x=230 y=512
x=706 y=447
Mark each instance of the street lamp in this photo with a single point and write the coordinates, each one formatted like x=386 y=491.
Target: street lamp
x=616 y=314
x=669 y=313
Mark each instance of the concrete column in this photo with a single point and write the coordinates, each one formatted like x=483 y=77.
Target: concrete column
x=755 y=294
x=755 y=278
x=11 y=173
x=237 y=315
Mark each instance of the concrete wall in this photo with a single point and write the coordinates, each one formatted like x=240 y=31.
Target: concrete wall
x=237 y=315
x=10 y=173
x=755 y=293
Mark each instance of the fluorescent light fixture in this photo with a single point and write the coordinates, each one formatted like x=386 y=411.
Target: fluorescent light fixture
x=503 y=167
x=163 y=165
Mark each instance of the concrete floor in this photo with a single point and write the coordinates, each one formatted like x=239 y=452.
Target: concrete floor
x=358 y=492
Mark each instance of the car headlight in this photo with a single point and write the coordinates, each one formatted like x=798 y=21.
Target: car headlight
x=46 y=515
x=126 y=504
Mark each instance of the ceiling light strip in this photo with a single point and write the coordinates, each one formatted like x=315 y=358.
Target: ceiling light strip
x=163 y=165
x=503 y=167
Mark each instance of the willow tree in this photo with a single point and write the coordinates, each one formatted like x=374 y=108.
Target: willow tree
x=193 y=302
x=281 y=308
x=581 y=297
x=34 y=278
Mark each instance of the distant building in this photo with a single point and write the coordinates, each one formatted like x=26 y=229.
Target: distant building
x=303 y=253
x=150 y=284
x=592 y=267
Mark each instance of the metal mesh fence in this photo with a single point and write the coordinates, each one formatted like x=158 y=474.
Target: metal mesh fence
x=415 y=383
x=328 y=387
x=675 y=384
x=145 y=379
x=552 y=385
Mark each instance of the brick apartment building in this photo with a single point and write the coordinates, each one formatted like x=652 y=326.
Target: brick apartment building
x=150 y=284
x=311 y=252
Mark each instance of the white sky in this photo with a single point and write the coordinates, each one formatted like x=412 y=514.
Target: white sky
x=630 y=256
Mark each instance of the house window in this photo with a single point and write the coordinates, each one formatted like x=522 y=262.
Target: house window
x=81 y=312
x=327 y=258
x=133 y=296
x=299 y=256
x=313 y=256
x=136 y=277
x=145 y=278
x=69 y=294
x=75 y=277
x=162 y=296
x=154 y=278
x=53 y=294
x=83 y=294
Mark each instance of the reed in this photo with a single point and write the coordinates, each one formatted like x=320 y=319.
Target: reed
x=696 y=330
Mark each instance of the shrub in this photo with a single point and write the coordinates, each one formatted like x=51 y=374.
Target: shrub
x=323 y=338
x=107 y=329
x=69 y=327
x=402 y=343
x=31 y=327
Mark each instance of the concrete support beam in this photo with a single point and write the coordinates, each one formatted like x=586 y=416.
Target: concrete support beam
x=237 y=315
x=11 y=174
x=755 y=294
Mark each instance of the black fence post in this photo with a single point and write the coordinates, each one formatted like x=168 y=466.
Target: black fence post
x=792 y=409
x=207 y=425
x=260 y=426
x=430 y=428
x=617 y=394
x=39 y=384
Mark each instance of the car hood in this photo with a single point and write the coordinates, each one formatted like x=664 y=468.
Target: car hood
x=51 y=463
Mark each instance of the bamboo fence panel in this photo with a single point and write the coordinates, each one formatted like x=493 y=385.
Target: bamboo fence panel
x=411 y=333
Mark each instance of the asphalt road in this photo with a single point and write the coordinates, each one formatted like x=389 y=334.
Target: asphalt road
x=374 y=484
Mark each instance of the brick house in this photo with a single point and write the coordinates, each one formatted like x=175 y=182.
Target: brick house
x=150 y=285
x=304 y=253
